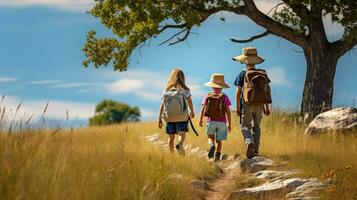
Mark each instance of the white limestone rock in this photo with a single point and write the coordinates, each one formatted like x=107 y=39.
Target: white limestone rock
x=338 y=119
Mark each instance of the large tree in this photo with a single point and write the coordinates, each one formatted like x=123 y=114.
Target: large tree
x=135 y=22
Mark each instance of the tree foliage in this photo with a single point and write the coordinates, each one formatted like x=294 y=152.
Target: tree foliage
x=111 y=112
x=134 y=22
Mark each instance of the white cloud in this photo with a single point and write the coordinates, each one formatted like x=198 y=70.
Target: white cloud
x=44 y=82
x=77 y=85
x=84 y=90
x=267 y=5
x=73 y=5
x=147 y=85
x=277 y=76
x=7 y=79
x=150 y=96
x=334 y=31
x=56 y=109
x=125 y=85
x=197 y=90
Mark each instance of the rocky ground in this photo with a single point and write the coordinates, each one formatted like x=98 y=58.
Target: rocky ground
x=257 y=178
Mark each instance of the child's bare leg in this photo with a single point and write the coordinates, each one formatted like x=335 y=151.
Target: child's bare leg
x=219 y=146
x=172 y=142
x=181 y=138
x=211 y=139
x=212 y=146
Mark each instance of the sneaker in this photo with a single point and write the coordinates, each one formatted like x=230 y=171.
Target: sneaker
x=180 y=149
x=217 y=157
x=250 y=150
x=211 y=152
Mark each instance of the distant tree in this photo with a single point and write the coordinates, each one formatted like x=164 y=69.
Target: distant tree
x=112 y=112
x=135 y=22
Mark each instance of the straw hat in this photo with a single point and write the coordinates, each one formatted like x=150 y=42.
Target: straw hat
x=249 y=56
x=217 y=81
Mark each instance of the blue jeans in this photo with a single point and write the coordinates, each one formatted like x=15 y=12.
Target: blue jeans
x=251 y=118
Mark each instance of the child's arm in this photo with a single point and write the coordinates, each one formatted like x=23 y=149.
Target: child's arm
x=159 y=124
x=238 y=94
x=201 y=115
x=190 y=104
x=228 y=114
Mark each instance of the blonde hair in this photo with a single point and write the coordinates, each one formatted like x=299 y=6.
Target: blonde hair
x=176 y=80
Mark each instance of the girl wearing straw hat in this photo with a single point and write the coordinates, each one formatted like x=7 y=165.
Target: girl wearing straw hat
x=215 y=107
x=250 y=112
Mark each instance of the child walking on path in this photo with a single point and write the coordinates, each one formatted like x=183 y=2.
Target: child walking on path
x=253 y=98
x=215 y=106
x=175 y=102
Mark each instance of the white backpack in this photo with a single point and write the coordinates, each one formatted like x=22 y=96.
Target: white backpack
x=175 y=106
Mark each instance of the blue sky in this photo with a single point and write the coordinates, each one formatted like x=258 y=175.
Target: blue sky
x=41 y=61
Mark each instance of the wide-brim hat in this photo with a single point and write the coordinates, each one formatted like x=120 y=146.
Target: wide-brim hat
x=249 y=56
x=217 y=81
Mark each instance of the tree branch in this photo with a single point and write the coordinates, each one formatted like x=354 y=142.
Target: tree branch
x=163 y=28
x=188 y=31
x=187 y=27
x=341 y=46
x=172 y=37
x=275 y=8
x=272 y=26
x=251 y=38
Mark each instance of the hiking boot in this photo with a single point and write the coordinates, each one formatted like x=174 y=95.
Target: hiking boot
x=211 y=151
x=250 y=150
x=217 y=157
x=180 y=149
x=256 y=154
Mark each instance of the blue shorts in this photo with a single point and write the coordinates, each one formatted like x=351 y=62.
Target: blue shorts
x=218 y=129
x=176 y=127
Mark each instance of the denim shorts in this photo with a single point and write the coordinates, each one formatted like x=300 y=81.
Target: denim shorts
x=176 y=127
x=219 y=129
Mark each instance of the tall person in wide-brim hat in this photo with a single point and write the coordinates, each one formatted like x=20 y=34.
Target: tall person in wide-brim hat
x=252 y=102
x=249 y=56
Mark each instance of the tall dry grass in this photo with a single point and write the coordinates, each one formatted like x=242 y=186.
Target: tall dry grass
x=330 y=155
x=113 y=162
x=116 y=162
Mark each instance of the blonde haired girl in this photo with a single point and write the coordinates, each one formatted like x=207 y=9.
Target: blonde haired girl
x=174 y=109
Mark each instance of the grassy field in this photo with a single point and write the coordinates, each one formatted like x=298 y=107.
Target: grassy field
x=115 y=162
x=324 y=156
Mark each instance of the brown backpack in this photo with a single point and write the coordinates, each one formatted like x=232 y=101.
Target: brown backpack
x=256 y=87
x=215 y=106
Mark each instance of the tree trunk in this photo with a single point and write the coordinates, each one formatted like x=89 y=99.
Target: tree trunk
x=320 y=74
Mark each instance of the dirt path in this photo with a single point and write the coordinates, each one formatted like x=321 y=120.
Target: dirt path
x=221 y=187
x=224 y=184
x=275 y=183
